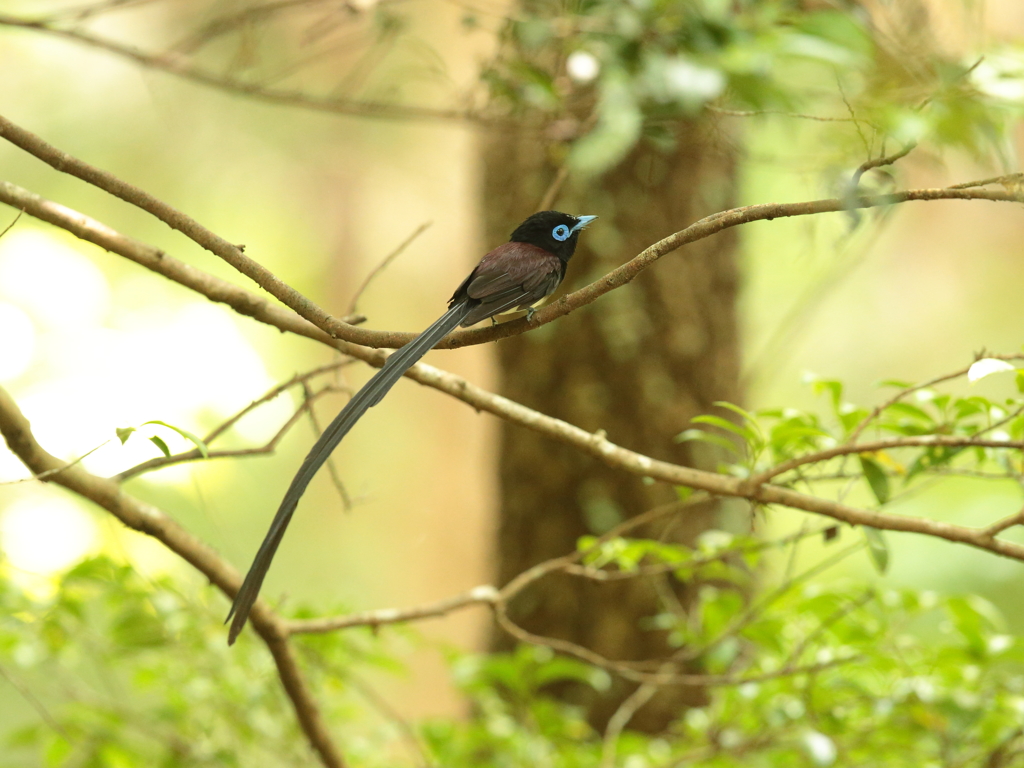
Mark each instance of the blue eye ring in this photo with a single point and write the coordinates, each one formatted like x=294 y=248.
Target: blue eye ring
x=561 y=233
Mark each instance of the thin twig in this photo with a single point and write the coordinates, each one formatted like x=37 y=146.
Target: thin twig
x=384 y=707
x=623 y=714
x=26 y=693
x=195 y=454
x=483 y=595
x=10 y=226
x=755 y=610
x=51 y=472
x=385 y=262
x=600 y=574
x=332 y=466
x=876 y=412
x=229 y=22
x=487 y=594
x=179 y=65
x=272 y=393
x=554 y=188
x=836 y=616
x=782 y=113
x=1006 y=179
x=912 y=441
x=879 y=162
x=1007 y=522
x=629 y=671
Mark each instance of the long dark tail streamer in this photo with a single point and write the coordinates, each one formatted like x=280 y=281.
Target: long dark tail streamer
x=367 y=397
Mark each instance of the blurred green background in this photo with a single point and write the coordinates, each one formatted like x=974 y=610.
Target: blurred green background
x=89 y=343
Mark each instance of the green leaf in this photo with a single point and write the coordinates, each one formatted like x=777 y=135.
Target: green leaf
x=909 y=411
x=975 y=619
x=717 y=421
x=186 y=434
x=877 y=548
x=834 y=389
x=25 y=736
x=159 y=443
x=136 y=628
x=57 y=751
x=705 y=437
x=747 y=415
x=897 y=383
x=123 y=433
x=876 y=477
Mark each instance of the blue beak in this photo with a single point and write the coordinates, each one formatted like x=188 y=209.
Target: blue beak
x=582 y=222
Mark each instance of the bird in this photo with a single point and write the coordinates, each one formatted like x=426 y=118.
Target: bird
x=516 y=275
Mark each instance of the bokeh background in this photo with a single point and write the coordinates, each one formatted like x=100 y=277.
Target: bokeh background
x=89 y=343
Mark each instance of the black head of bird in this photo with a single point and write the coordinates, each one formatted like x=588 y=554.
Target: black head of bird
x=553 y=231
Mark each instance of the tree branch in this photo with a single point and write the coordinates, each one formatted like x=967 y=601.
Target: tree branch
x=1017 y=518
x=216 y=289
x=876 y=412
x=595 y=444
x=147 y=519
x=486 y=594
x=913 y=441
x=195 y=454
x=482 y=595
x=177 y=64
x=339 y=329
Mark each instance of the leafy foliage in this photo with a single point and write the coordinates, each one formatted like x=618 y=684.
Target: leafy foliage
x=816 y=451
x=880 y=694
x=135 y=671
x=636 y=66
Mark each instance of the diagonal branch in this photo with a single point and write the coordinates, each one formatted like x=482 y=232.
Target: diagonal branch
x=595 y=444
x=177 y=64
x=147 y=519
x=913 y=441
x=195 y=454
x=175 y=219
x=339 y=329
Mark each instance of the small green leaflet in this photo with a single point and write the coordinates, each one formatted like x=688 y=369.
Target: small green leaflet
x=878 y=548
x=161 y=445
x=876 y=478
x=123 y=433
x=707 y=437
x=203 y=450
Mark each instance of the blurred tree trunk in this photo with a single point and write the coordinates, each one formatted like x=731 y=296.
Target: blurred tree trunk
x=639 y=363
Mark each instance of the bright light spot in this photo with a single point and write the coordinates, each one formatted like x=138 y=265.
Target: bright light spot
x=986 y=367
x=148 y=556
x=59 y=286
x=17 y=341
x=1001 y=76
x=691 y=81
x=177 y=367
x=820 y=747
x=96 y=368
x=582 y=66
x=45 y=535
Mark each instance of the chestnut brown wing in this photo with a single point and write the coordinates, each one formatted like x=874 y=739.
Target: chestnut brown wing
x=512 y=275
